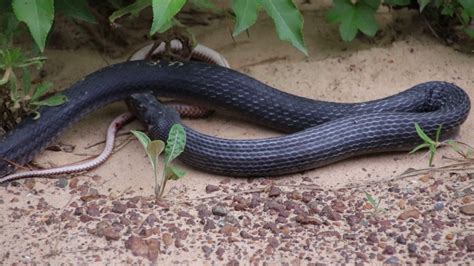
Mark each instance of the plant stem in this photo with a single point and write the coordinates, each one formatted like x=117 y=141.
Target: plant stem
x=6 y=76
x=157 y=186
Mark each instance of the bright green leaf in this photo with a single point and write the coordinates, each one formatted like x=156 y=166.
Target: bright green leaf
x=153 y=150
x=174 y=173
x=364 y=19
x=438 y=133
x=78 y=9
x=38 y=15
x=246 y=12
x=421 y=146
x=133 y=9
x=348 y=29
x=423 y=4
x=423 y=135
x=54 y=100
x=142 y=137
x=175 y=143
x=468 y=6
x=288 y=21
x=41 y=90
x=163 y=12
x=432 y=154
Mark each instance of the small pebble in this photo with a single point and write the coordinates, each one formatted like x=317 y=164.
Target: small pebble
x=392 y=260
x=219 y=210
x=61 y=182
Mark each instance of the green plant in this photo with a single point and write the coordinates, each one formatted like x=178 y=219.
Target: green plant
x=433 y=145
x=355 y=16
x=174 y=147
x=373 y=202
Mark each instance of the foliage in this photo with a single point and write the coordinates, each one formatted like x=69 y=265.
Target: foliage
x=174 y=147
x=373 y=201
x=433 y=145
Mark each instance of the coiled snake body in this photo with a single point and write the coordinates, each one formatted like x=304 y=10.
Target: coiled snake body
x=325 y=131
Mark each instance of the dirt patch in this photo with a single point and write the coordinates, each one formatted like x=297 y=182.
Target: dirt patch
x=320 y=216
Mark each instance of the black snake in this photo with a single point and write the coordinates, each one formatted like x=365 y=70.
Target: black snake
x=325 y=131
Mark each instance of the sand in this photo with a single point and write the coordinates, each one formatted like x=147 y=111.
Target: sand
x=403 y=55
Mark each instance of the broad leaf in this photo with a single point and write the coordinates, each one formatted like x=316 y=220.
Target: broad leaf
x=468 y=6
x=163 y=12
x=133 y=9
x=246 y=12
x=78 y=9
x=142 y=137
x=423 y=4
x=54 y=100
x=153 y=150
x=41 y=90
x=175 y=143
x=288 y=21
x=38 y=15
x=174 y=173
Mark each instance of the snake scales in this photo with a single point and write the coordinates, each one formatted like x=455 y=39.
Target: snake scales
x=325 y=131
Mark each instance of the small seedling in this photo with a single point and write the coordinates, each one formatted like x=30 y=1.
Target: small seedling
x=174 y=147
x=374 y=202
x=429 y=143
x=433 y=145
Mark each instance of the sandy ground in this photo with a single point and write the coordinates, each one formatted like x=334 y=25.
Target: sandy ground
x=402 y=56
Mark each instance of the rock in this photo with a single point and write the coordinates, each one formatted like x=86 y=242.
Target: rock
x=220 y=251
x=467 y=209
x=245 y=234
x=219 y=210
x=273 y=241
x=73 y=182
x=469 y=243
x=389 y=250
x=211 y=188
x=61 y=182
x=137 y=245
x=439 y=206
x=401 y=240
x=111 y=234
x=118 y=207
x=153 y=248
x=392 y=260
x=167 y=239
x=274 y=192
x=93 y=210
x=412 y=248
x=338 y=206
x=330 y=214
x=304 y=219
x=372 y=238
x=412 y=213
x=228 y=229
x=207 y=250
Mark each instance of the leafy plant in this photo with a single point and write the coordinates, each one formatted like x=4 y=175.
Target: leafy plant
x=373 y=201
x=23 y=96
x=433 y=145
x=174 y=147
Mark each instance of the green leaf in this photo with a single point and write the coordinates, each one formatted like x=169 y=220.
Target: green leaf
x=421 y=146
x=423 y=135
x=41 y=90
x=423 y=4
x=432 y=154
x=468 y=6
x=163 y=12
x=133 y=9
x=205 y=5
x=142 y=137
x=352 y=18
x=175 y=143
x=153 y=150
x=448 y=10
x=38 y=15
x=288 y=22
x=26 y=81
x=54 y=100
x=397 y=2
x=373 y=4
x=246 y=12
x=438 y=133
x=174 y=173
x=78 y=9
